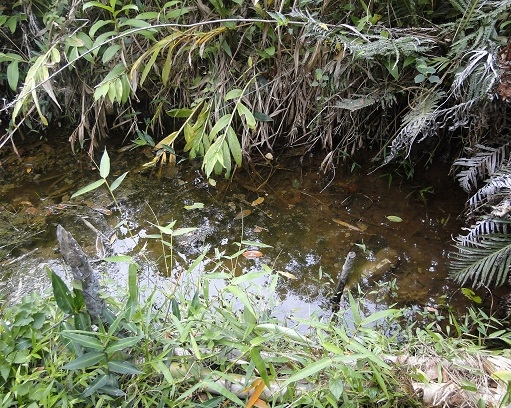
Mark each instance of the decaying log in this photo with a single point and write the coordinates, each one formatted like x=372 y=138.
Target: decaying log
x=78 y=261
x=345 y=274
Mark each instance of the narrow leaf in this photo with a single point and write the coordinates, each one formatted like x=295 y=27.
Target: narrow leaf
x=123 y=367
x=84 y=340
x=117 y=182
x=61 y=292
x=123 y=343
x=104 y=165
x=90 y=187
x=85 y=361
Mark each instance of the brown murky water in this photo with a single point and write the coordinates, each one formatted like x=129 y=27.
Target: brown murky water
x=309 y=222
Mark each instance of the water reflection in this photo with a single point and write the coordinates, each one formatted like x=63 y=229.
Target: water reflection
x=310 y=229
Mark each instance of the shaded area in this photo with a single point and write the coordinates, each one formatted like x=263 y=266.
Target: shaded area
x=310 y=222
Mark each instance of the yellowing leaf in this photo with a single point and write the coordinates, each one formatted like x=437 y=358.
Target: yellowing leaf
x=258 y=201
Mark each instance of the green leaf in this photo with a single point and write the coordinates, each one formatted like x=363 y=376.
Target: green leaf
x=180 y=113
x=118 y=258
x=84 y=340
x=110 y=53
x=262 y=117
x=104 y=165
x=123 y=343
x=233 y=94
x=90 y=187
x=255 y=355
x=234 y=146
x=117 y=182
x=13 y=75
x=98 y=383
x=394 y=218
x=61 y=292
x=194 y=206
x=308 y=371
x=123 y=367
x=219 y=125
x=182 y=231
x=336 y=387
x=249 y=118
x=82 y=321
x=242 y=296
x=85 y=361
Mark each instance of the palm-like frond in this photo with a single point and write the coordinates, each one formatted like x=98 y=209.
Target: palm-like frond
x=418 y=121
x=486 y=263
x=481 y=228
x=491 y=191
x=485 y=163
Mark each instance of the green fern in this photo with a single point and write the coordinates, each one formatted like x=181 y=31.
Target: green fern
x=485 y=262
x=484 y=163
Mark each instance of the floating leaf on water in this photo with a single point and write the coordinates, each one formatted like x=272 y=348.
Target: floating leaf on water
x=258 y=201
x=252 y=254
x=394 y=218
x=98 y=208
x=242 y=214
x=257 y=228
x=194 y=206
x=287 y=274
x=268 y=156
x=345 y=224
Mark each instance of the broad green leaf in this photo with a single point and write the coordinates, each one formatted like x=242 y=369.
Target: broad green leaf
x=259 y=363
x=234 y=146
x=135 y=22
x=117 y=182
x=101 y=91
x=123 y=367
x=85 y=361
x=336 y=387
x=61 y=292
x=180 y=113
x=84 y=340
x=104 y=165
x=97 y=25
x=110 y=52
x=13 y=75
x=219 y=125
x=394 y=218
x=82 y=321
x=90 y=187
x=233 y=94
x=98 y=383
x=249 y=118
x=262 y=117
x=122 y=344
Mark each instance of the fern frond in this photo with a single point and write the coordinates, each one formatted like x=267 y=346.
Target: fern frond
x=481 y=228
x=478 y=76
x=419 y=120
x=494 y=186
x=483 y=164
x=486 y=263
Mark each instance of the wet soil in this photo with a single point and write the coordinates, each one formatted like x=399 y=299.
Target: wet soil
x=308 y=220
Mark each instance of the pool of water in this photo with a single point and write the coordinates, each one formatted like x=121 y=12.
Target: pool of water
x=309 y=222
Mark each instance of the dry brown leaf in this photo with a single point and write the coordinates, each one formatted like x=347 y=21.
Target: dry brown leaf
x=252 y=254
x=258 y=201
x=242 y=214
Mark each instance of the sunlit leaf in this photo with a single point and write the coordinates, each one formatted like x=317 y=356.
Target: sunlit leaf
x=394 y=218
x=249 y=118
x=194 y=206
x=233 y=94
x=104 y=165
x=117 y=182
x=61 y=292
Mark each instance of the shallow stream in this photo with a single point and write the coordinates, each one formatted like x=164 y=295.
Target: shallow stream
x=309 y=222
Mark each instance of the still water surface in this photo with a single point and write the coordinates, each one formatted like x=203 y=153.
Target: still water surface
x=309 y=222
